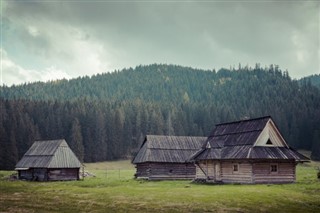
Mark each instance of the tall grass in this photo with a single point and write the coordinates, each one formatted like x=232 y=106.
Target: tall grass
x=114 y=190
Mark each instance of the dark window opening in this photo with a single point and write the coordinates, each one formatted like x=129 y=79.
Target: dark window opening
x=269 y=142
x=235 y=167
x=274 y=168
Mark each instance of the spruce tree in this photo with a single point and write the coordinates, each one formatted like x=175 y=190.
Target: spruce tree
x=76 y=140
x=315 y=152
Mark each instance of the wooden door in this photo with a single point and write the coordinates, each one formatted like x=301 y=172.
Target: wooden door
x=217 y=171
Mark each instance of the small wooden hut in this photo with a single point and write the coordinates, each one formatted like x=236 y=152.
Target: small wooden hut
x=48 y=161
x=247 y=151
x=166 y=157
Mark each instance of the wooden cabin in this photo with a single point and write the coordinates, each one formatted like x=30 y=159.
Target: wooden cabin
x=49 y=161
x=247 y=151
x=166 y=157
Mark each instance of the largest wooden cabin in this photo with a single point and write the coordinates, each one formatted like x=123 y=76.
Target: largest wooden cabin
x=247 y=151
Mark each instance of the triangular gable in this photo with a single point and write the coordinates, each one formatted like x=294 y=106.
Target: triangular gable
x=270 y=136
x=208 y=146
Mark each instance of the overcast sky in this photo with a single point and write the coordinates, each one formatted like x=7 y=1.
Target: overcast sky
x=46 y=40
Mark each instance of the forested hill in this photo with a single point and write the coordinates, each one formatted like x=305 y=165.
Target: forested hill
x=153 y=83
x=312 y=79
x=106 y=116
x=149 y=83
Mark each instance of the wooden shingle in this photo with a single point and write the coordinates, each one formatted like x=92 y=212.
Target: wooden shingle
x=169 y=149
x=49 y=154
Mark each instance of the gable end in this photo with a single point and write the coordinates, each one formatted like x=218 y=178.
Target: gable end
x=270 y=136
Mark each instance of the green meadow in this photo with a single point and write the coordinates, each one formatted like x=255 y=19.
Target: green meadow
x=113 y=189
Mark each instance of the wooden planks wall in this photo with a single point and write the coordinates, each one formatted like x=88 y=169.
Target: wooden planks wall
x=206 y=169
x=63 y=174
x=286 y=172
x=40 y=174
x=166 y=171
x=25 y=174
x=243 y=175
x=248 y=171
x=143 y=170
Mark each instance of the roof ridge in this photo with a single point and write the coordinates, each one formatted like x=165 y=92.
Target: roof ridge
x=180 y=136
x=57 y=140
x=234 y=133
x=172 y=149
x=60 y=142
x=244 y=120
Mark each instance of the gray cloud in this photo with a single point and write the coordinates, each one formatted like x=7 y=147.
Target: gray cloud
x=83 y=37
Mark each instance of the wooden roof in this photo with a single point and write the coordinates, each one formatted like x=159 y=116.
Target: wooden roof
x=168 y=149
x=256 y=138
x=49 y=154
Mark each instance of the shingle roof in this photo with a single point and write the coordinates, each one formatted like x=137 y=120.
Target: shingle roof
x=169 y=149
x=49 y=154
x=237 y=140
x=249 y=152
x=242 y=126
x=244 y=132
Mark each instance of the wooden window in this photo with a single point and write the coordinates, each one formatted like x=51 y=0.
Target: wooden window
x=273 y=168
x=235 y=167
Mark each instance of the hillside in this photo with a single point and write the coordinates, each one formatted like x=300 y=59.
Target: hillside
x=312 y=79
x=106 y=116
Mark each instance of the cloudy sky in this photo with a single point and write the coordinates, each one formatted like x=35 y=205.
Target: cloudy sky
x=54 y=39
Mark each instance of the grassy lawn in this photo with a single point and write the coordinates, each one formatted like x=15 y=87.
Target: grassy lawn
x=113 y=189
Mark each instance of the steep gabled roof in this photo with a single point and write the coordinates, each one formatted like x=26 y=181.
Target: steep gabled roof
x=257 y=138
x=239 y=133
x=49 y=154
x=168 y=149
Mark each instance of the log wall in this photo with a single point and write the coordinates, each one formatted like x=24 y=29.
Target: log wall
x=208 y=170
x=286 y=172
x=63 y=174
x=40 y=174
x=43 y=174
x=248 y=171
x=142 y=170
x=243 y=175
x=201 y=171
x=25 y=174
x=165 y=171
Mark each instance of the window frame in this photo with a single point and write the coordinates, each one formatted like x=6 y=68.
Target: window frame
x=235 y=165
x=272 y=166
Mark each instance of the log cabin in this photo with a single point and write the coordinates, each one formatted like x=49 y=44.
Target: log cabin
x=166 y=157
x=49 y=161
x=247 y=151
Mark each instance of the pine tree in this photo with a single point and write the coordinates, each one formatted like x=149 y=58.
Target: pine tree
x=5 y=149
x=315 y=152
x=100 y=136
x=117 y=145
x=76 y=140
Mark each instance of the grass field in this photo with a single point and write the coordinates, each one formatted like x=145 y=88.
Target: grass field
x=114 y=190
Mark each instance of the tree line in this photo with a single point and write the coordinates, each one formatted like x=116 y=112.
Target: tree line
x=107 y=116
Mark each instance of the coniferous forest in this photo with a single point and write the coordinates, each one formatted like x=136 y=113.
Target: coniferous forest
x=106 y=116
